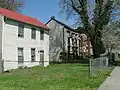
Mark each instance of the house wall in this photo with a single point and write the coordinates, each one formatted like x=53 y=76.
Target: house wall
x=1 y=30
x=57 y=31
x=11 y=42
x=56 y=39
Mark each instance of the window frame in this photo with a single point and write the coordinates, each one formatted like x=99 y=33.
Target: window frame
x=42 y=53
x=33 y=33
x=20 y=56
x=33 y=55
x=21 y=30
x=41 y=35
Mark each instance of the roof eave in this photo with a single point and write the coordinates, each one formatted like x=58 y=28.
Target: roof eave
x=28 y=23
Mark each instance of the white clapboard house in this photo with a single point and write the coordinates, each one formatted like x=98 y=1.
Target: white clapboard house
x=24 y=41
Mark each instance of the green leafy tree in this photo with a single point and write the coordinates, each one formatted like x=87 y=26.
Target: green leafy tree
x=14 y=5
x=93 y=23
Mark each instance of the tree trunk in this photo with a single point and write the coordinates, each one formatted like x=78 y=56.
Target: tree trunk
x=96 y=53
x=109 y=59
x=97 y=46
x=110 y=56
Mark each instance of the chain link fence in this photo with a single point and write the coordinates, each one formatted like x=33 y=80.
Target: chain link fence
x=97 y=64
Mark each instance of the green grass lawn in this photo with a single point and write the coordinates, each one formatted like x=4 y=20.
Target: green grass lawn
x=54 y=77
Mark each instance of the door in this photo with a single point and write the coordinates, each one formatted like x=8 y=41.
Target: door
x=42 y=58
x=20 y=57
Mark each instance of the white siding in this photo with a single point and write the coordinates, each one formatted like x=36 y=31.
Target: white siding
x=55 y=40
x=46 y=50
x=1 y=30
x=11 y=42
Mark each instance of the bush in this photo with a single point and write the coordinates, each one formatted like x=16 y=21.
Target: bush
x=69 y=58
x=85 y=60
x=116 y=63
x=72 y=58
x=55 y=62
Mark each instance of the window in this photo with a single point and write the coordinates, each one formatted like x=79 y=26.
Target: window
x=41 y=35
x=20 y=55
x=20 y=30
x=33 y=33
x=42 y=56
x=32 y=54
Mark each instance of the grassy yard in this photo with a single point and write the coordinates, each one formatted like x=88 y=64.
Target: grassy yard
x=54 y=77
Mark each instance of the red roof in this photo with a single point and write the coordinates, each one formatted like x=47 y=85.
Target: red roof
x=22 y=18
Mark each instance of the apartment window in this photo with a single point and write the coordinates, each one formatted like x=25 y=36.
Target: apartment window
x=33 y=33
x=32 y=54
x=20 y=30
x=41 y=56
x=41 y=35
x=20 y=55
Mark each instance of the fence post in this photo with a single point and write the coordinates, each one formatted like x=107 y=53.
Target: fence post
x=89 y=67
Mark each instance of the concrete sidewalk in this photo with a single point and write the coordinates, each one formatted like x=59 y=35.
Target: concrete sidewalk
x=112 y=82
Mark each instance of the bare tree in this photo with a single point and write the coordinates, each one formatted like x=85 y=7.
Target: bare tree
x=110 y=39
x=14 y=5
x=92 y=24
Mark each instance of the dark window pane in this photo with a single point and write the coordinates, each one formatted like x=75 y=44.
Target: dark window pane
x=41 y=35
x=20 y=55
x=20 y=59
x=41 y=56
x=33 y=54
x=33 y=33
x=20 y=30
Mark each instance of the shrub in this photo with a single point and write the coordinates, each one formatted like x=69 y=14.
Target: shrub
x=72 y=58
x=116 y=63
x=84 y=60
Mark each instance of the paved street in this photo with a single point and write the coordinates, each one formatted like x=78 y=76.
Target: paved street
x=112 y=82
